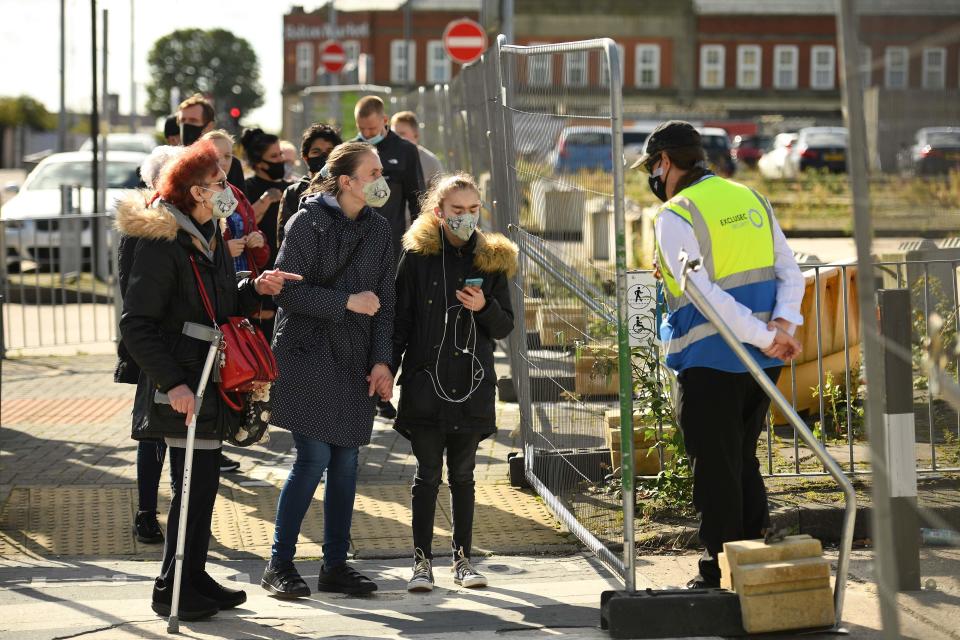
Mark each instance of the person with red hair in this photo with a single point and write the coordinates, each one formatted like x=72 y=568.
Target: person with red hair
x=179 y=241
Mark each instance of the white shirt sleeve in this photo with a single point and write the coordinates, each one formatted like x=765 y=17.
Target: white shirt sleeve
x=790 y=281
x=674 y=234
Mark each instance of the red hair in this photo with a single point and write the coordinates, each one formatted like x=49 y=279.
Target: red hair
x=195 y=166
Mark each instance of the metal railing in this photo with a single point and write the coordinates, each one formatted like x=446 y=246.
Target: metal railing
x=58 y=280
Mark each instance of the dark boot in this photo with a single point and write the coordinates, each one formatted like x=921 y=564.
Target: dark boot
x=344 y=579
x=146 y=528
x=224 y=597
x=192 y=605
x=282 y=580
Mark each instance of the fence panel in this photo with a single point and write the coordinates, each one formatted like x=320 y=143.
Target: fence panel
x=58 y=280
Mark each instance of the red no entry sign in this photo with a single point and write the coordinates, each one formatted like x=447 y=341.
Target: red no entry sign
x=464 y=40
x=333 y=57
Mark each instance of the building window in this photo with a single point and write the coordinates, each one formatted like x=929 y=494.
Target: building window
x=604 y=73
x=350 y=73
x=934 y=68
x=785 y=59
x=896 y=62
x=866 y=67
x=438 y=62
x=539 y=68
x=823 y=66
x=647 y=67
x=305 y=74
x=748 y=66
x=711 y=66
x=403 y=61
x=575 y=69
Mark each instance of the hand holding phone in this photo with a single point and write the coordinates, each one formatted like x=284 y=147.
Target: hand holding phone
x=473 y=282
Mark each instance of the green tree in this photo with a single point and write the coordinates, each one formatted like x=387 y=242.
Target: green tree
x=24 y=110
x=213 y=62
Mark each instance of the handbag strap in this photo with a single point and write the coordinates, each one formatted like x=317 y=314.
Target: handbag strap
x=203 y=292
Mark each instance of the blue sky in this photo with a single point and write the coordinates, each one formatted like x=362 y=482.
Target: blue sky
x=29 y=44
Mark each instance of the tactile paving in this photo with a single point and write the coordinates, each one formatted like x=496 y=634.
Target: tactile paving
x=95 y=521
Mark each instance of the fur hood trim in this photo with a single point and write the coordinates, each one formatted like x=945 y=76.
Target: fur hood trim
x=493 y=252
x=136 y=218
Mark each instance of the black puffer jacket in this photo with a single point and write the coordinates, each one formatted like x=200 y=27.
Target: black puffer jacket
x=428 y=259
x=161 y=294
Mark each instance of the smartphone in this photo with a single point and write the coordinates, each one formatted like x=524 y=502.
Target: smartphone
x=473 y=282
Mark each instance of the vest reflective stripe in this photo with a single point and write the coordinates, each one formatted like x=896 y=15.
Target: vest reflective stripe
x=737 y=254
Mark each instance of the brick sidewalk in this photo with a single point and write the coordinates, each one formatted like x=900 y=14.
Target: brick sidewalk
x=66 y=446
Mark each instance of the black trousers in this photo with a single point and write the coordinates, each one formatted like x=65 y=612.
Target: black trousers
x=428 y=446
x=721 y=415
x=204 y=483
x=150 y=455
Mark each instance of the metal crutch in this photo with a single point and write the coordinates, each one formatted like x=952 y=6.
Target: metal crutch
x=213 y=336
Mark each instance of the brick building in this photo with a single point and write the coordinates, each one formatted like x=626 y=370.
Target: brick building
x=374 y=43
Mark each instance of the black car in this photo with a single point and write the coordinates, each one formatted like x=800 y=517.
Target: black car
x=936 y=150
x=820 y=148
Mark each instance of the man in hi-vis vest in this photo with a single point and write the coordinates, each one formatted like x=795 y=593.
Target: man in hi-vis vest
x=749 y=275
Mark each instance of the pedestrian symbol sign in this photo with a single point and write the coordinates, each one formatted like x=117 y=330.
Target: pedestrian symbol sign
x=642 y=308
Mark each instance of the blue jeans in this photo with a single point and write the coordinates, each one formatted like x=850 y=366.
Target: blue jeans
x=313 y=457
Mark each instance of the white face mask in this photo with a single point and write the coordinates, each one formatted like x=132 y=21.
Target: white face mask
x=462 y=225
x=223 y=203
x=376 y=193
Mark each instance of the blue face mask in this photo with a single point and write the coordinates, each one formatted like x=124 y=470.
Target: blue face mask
x=375 y=140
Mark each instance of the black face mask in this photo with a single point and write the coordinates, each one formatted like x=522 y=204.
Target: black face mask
x=189 y=133
x=315 y=163
x=275 y=169
x=658 y=187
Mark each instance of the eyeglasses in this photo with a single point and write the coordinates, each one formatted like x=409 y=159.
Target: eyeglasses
x=221 y=183
x=649 y=164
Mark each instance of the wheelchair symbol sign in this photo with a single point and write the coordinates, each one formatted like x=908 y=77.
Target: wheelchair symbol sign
x=640 y=327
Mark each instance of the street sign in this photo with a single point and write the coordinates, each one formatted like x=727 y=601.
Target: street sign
x=464 y=40
x=641 y=308
x=333 y=57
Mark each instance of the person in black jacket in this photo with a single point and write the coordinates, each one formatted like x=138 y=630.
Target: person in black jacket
x=317 y=143
x=453 y=301
x=176 y=235
x=404 y=176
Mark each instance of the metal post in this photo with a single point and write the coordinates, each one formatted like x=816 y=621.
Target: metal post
x=407 y=28
x=94 y=113
x=62 y=117
x=692 y=291
x=101 y=194
x=334 y=77
x=847 y=27
x=133 y=83
x=900 y=435
x=506 y=20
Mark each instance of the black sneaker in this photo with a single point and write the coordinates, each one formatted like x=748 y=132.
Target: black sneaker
x=386 y=410
x=146 y=528
x=192 y=605
x=422 y=579
x=699 y=582
x=464 y=574
x=344 y=579
x=282 y=580
x=224 y=597
x=227 y=465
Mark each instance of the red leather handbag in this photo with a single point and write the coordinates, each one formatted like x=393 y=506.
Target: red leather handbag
x=245 y=356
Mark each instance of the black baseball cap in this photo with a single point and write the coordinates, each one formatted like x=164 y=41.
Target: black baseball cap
x=672 y=134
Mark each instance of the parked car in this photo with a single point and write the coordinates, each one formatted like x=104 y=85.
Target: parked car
x=822 y=148
x=771 y=163
x=582 y=148
x=30 y=233
x=634 y=137
x=717 y=145
x=141 y=142
x=748 y=149
x=936 y=150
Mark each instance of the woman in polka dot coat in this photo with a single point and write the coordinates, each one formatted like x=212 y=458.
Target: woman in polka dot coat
x=333 y=343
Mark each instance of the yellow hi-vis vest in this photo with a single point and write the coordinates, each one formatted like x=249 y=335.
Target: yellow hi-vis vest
x=734 y=228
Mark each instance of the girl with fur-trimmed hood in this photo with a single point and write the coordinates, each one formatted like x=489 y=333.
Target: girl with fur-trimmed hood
x=453 y=302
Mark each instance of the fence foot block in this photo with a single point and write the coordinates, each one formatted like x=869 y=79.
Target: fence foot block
x=518 y=477
x=670 y=613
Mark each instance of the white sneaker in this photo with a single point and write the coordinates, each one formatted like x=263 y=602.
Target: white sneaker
x=422 y=579
x=464 y=574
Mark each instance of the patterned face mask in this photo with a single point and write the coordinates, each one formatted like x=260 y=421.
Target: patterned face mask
x=223 y=203
x=463 y=225
x=376 y=193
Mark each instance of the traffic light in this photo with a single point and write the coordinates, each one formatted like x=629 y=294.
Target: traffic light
x=235 y=117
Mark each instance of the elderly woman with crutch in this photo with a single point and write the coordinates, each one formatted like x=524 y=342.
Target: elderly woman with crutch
x=165 y=325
